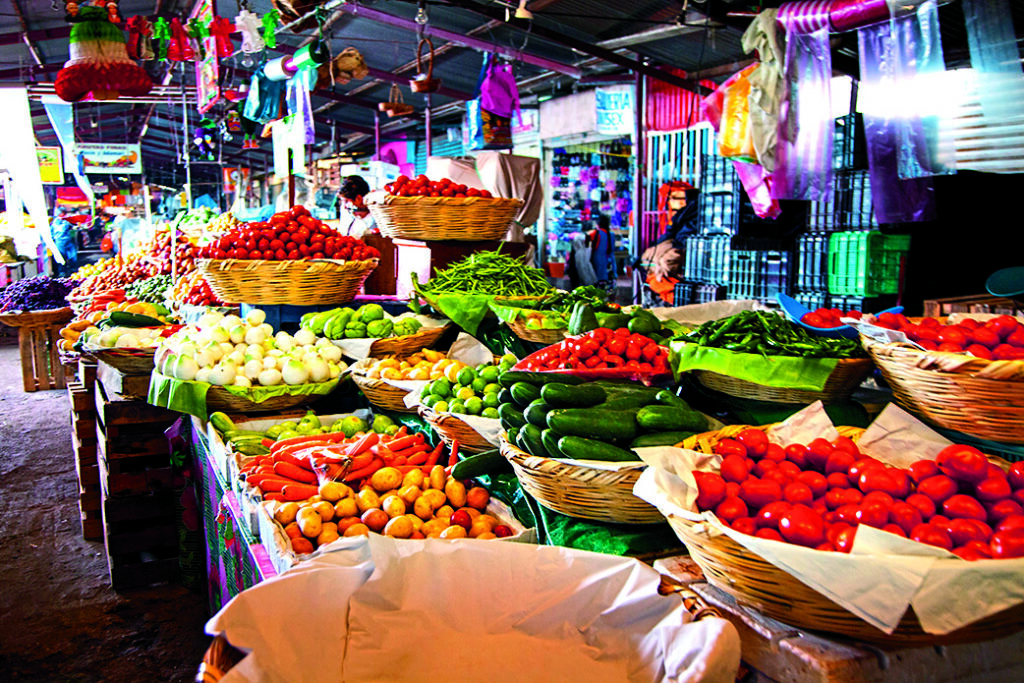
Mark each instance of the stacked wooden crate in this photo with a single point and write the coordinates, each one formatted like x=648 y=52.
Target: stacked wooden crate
x=83 y=439
x=136 y=484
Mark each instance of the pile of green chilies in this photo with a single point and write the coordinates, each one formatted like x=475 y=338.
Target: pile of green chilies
x=488 y=272
x=768 y=334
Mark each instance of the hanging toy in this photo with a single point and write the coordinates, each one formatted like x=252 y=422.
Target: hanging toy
x=99 y=64
x=162 y=38
x=198 y=33
x=248 y=24
x=204 y=139
x=140 y=44
x=270 y=21
x=221 y=30
x=233 y=121
x=178 y=50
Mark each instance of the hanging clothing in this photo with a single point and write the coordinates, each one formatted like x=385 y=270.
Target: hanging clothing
x=602 y=254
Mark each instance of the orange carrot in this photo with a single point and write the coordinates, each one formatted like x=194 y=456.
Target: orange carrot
x=299 y=491
x=286 y=469
x=273 y=495
x=432 y=458
x=300 y=462
x=375 y=465
x=363 y=444
x=308 y=439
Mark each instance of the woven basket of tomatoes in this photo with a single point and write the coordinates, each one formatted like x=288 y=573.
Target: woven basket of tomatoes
x=440 y=210
x=293 y=258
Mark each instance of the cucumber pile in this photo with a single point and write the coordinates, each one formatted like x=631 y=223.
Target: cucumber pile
x=555 y=415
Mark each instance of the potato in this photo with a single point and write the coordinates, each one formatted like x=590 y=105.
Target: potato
x=394 y=506
x=333 y=491
x=479 y=527
x=357 y=530
x=345 y=523
x=327 y=535
x=367 y=499
x=435 y=498
x=292 y=530
x=310 y=522
x=399 y=527
x=417 y=523
x=478 y=497
x=454 y=531
x=445 y=511
x=325 y=510
x=302 y=546
x=386 y=478
x=413 y=478
x=434 y=527
x=437 y=477
x=346 y=507
x=422 y=508
x=456 y=492
x=409 y=494
x=487 y=535
x=285 y=514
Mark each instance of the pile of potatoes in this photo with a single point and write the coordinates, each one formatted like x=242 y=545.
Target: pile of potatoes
x=410 y=505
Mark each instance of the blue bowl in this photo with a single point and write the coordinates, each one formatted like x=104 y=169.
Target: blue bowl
x=795 y=310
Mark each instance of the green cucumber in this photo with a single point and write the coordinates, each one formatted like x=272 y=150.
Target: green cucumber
x=660 y=439
x=582 y=448
x=667 y=398
x=505 y=396
x=222 y=423
x=480 y=464
x=549 y=438
x=565 y=396
x=606 y=425
x=670 y=418
x=510 y=416
x=122 y=319
x=531 y=441
x=524 y=393
x=512 y=436
x=537 y=413
x=510 y=377
x=251 y=449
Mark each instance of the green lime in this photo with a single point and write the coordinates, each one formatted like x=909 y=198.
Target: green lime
x=287 y=434
x=286 y=426
x=509 y=358
x=466 y=376
x=427 y=389
x=479 y=384
x=490 y=400
x=441 y=387
x=457 y=407
x=440 y=406
x=490 y=412
x=465 y=392
x=431 y=399
x=392 y=429
x=492 y=388
x=274 y=431
x=490 y=373
x=474 y=406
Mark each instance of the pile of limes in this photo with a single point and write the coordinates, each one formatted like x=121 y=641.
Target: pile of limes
x=469 y=391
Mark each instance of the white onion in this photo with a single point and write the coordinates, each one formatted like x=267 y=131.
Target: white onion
x=184 y=368
x=255 y=317
x=270 y=377
x=330 y=353
x=318 y=370
x=294 y=372
x=304 y=337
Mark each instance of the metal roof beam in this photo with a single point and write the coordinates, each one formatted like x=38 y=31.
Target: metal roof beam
x=467 y=41
x=649 y=36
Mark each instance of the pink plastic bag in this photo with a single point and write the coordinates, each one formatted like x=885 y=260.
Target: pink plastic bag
x=498 y=92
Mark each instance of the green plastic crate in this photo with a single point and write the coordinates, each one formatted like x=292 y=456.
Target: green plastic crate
x=865 y=262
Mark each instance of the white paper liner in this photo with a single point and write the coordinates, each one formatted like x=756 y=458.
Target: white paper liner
x=885 y=573
x=476 y=611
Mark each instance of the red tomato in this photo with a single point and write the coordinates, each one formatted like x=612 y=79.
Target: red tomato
x=797 y=453
x=905 y=515
x=813 y=320
x=923 y=503
x=731 y=509
x=798 y=492
x=938 y=488
x=894 y=529
x=838 y=480
x=768 y=516
x=839 y=461
x=763 y=466
x=932 y=535
x=1002 y=325
x=755 y=440
x=727 y=447
x=992 y=489
x=734 y=468
x=1007 y=543
x=775 y=452
x=757 y=493
x=873 y=514
x=986 y=337
x=844 y=538
x=974 y=551
x=710 y=489
x=818 y=452
x=963 y=531
x=816 y=481
x=803 y=526
x=961 y=506
x=963 y=463
x=863 y=465
x=845 y=443
x=953 y=335
x=769 y=534
x=788 y=468
x=1001 y=509
x=745 y=525
x=923 y=469
x=950 y=347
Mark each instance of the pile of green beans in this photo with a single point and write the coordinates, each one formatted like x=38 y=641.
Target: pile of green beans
x=770 y=334
x=488 y=272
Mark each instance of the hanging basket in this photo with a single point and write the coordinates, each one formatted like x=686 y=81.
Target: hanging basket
x=425 y=82
x=395 y=106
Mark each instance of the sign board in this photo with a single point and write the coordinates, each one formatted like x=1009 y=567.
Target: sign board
x=614 y=110
x=208 y=68
x=108 y=157
x=236 y=179
x=51 y=171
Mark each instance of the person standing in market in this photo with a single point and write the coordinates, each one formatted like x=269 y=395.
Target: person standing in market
x=359 y=221
x=663 y=260
x=602 y=251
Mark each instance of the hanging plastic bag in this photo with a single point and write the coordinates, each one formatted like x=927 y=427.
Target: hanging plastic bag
x=263 y=104
x=734 y=139
x=498 y=92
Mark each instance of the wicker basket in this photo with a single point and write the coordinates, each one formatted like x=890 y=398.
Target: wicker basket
x=544 y=336
x=53 y=316
x=979 y=397
x=844 y=380
x=300 y=283
x=128 y=361
x=451 y=428
x=378 y=392
x=443 y=218
x=773 y=591
x=219 y=398
x=579 y=491
x=399 y=346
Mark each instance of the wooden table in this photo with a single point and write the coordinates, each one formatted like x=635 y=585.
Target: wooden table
x=777 y=652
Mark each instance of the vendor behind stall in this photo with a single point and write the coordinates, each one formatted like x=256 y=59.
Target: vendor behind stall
x=663 y=260
x=355 y=217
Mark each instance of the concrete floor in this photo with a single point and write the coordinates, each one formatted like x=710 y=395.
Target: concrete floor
x=59 y=618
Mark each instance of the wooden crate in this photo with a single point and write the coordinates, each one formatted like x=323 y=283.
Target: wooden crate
x=41 y=369
x=141 y=540
x=135 y=570
x=87 y=373
x=136 y=476
x=92 y=525
x=113 y=410
x=114 y=381
x=974 y=303
x=81 y=399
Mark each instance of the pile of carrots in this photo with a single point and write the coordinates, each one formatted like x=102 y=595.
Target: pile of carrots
x=294 y=468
